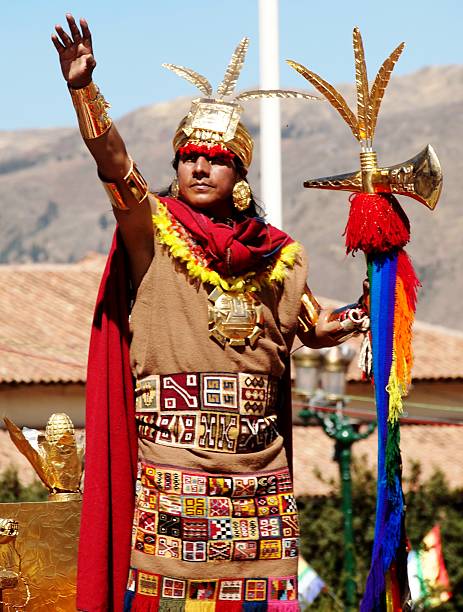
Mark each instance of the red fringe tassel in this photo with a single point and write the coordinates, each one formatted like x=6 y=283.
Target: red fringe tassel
x=376 y=224
x=228 y=606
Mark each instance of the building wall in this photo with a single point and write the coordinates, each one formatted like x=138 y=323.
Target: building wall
x=31 y=405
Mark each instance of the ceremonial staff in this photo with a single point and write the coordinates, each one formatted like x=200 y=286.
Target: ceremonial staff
x=378 y=226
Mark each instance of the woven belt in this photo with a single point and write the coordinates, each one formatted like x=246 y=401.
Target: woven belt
x=229 y=413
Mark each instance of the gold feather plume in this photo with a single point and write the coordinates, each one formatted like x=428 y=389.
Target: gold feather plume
x=230 y=79
x=380 y=84
x=330 y=93
x=193 y=77
x=368 y=102
x=361 y=80
x=233 y=71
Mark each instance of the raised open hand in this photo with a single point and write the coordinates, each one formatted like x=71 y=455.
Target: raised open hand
x=76 y=53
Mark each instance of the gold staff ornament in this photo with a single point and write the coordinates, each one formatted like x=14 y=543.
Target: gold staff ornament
x=378 y=226
x=419 y=177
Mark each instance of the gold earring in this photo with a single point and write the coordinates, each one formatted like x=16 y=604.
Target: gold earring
x=241 y=195
x=174 y=188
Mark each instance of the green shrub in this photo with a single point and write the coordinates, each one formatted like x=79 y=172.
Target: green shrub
x=428 y=502
x=11 y=489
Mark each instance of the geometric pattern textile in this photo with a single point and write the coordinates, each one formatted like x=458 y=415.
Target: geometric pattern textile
x=155 y=592
x=200 y=516
x=218 y=412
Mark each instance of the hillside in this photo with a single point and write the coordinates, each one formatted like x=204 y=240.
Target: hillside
x=53 y=208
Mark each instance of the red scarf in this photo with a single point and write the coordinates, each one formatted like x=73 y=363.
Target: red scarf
x=230 y=250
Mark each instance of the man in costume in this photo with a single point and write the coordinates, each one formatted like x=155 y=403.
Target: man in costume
x=201 y=442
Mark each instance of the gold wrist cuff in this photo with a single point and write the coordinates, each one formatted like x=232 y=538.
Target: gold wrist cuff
x=91 y=109
x=310 y=310
x=135 y=183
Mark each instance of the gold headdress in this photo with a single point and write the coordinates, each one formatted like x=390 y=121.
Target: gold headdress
x=215 y=120
x=419 y=177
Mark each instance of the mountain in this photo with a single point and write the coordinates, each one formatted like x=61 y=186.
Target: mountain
x=53 y=208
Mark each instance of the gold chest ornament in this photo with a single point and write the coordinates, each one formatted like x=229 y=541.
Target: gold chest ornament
x=235 y=318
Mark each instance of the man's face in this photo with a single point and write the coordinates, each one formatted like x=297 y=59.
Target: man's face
x=206 y=182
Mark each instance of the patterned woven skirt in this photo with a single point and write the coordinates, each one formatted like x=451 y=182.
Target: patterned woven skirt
x=215 y=524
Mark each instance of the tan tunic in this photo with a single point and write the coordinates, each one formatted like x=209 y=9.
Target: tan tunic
x=169 y=323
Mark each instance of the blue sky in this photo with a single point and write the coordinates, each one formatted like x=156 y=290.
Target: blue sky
x=132 y=39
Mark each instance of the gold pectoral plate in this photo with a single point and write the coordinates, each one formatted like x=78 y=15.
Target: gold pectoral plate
x=235 y=318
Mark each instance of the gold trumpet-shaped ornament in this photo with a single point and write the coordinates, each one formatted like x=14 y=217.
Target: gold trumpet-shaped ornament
x=419 y=177
x=55 y=456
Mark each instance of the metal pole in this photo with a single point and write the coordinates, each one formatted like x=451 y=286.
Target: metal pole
x=343 y=454
x=345 y=434
x=270 y=123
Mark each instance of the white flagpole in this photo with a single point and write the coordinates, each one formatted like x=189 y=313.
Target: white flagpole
x=270 y=125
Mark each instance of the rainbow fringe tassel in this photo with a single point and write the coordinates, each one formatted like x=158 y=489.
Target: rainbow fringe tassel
x=393 y=287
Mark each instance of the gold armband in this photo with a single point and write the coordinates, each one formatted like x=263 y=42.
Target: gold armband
x=91 y=110
x=135 y=183
x=308 y=315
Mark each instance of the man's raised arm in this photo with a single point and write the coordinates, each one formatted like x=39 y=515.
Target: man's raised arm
x=126 y=187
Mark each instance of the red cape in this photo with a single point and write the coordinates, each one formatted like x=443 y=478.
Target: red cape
x=111 y=448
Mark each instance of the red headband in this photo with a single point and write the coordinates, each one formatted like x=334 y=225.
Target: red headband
x=211 y=151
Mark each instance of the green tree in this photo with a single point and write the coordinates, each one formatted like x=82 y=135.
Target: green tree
x=428 y=502
x=12 y=490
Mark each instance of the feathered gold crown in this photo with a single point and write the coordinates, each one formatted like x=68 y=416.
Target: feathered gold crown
x=214 y=119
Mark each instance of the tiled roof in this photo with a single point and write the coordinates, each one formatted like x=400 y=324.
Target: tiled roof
x=432 y=446
x=46 y=314
x=437 y=351
x=47 y=311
